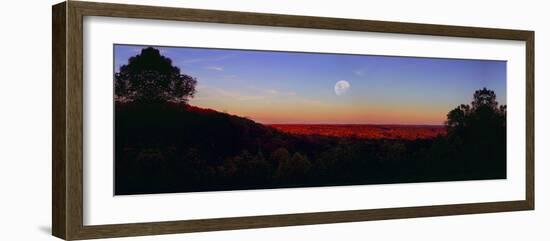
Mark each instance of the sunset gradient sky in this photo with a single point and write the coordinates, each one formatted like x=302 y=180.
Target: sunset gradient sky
x=287 y=87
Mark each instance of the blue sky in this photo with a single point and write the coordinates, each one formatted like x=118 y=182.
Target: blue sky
x=290 y=87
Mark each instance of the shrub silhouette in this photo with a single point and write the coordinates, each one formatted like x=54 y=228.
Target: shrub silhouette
x=151 y=77
x=280 y=155
x=294 y=170
x=246 y=168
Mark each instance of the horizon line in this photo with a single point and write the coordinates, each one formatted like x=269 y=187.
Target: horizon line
x=376 y=124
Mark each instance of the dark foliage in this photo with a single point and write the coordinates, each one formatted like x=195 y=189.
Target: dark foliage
x=150 y=77
x=477 y=136
x=171 y=147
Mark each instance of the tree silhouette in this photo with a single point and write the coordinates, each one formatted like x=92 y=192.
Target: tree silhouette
x=484 y=108
x=151 y=77
x=484 y=98
x=478 y=134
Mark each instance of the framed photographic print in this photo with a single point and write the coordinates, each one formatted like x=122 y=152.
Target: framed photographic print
x=171 y=120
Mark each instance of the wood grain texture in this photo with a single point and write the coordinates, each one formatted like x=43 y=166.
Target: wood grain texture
x=58 y=121
x=530 y=120
x=279 y=20
x=74 y=121
x=68 y=120
x=155 y=228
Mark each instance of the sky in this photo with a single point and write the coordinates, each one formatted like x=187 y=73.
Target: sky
x=320 y=88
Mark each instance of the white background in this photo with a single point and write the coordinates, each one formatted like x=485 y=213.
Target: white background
x=25 y=123
x=100 y=207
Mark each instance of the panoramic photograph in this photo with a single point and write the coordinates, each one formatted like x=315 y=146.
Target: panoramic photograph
x=190 y=119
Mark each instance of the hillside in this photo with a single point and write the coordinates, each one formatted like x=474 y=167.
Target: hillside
x=162 y=148
x=189 y=126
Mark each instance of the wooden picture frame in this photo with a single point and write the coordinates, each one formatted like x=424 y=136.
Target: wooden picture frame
x=67 y=150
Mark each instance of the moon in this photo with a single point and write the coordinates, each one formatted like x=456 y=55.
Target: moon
x=341 y=87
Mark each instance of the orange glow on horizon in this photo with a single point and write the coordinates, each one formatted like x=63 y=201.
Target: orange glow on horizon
x=334 y=114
